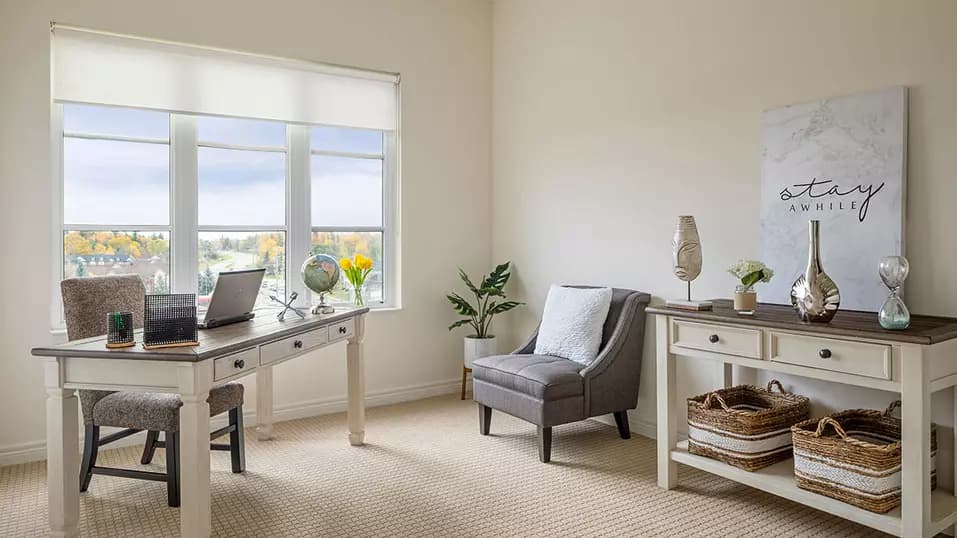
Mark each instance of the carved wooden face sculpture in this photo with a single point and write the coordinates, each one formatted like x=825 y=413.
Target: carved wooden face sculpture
x=686 y=249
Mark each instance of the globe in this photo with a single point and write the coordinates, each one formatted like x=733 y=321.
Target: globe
x=320 y=273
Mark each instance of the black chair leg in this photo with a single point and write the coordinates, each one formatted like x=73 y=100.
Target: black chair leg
x=172 y=468
x=545 y=444
x=237 y=450
x=150 y=448
x=485 y=419
x=91 y=446
x=621 y=419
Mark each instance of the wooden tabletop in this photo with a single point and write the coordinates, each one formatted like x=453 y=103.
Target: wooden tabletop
x=923 y=329
x=213 y=343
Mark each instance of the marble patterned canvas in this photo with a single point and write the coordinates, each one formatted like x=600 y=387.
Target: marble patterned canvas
x=840 y=161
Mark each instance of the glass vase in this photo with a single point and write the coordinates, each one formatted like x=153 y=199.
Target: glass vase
x=894 y=314
x=358 y=296
x=745 y=300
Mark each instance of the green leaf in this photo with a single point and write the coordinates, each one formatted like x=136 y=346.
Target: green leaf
x=459 y=323
x=751 y=279
x=461 y=305
x=468 y=282
x=498 y=277
x=503 y=307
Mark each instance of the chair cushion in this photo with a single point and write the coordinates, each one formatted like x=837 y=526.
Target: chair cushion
x=541 y=376
x=157 y=410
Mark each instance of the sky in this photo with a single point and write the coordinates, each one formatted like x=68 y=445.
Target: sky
x=127 y=183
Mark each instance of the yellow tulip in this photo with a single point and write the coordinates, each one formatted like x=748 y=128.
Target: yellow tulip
x=365 y=263
x=345 y=263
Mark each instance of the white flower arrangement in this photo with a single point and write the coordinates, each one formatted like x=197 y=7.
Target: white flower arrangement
x=750 y=272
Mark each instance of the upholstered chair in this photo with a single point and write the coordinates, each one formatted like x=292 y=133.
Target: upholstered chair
x=86 y=303
x=548 y=391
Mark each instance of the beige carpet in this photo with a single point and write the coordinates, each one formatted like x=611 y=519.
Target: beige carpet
x=427 y=472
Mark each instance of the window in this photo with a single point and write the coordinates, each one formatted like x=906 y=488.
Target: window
x=347 y=199
x=116 y=192
x=178 y=163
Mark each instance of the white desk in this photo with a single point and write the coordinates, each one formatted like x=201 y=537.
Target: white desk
x=853 y=350
x=224 y=354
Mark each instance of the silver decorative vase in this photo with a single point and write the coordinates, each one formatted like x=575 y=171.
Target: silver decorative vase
x=814 y=295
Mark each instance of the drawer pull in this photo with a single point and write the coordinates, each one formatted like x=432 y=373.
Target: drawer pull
x=297 y=344
x=239 y=364
x=713 y=339
x=825 y=353
x=342 y=330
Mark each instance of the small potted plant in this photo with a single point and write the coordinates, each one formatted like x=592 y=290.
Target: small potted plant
x=489 y=301
x=749 y=272
x=356 y=271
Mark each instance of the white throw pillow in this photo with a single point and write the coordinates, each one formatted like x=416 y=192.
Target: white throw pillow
x=572 y=323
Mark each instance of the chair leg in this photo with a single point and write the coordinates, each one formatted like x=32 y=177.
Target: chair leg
x=91 y=447
x=237 y=450
x=485 y=419
x=172 y=468
x=150 y=448
x=545 y=444
x=464 y=377
x=621 y=419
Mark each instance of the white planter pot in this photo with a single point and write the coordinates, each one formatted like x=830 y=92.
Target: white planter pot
x=476 y=348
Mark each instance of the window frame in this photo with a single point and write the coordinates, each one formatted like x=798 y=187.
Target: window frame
x=184 y=228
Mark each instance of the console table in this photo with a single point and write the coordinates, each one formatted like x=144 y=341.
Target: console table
x=853 y=349
x=223 y=354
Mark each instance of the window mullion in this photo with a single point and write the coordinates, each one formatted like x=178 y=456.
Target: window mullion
x=184 y=209
x=298 y=209
x=390 y=225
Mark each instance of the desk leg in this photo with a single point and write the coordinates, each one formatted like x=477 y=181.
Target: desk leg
x=63 y=453
x=264 y=403
x=915 y=443
x=667 y=420
x=195 y=380
x=355 y=366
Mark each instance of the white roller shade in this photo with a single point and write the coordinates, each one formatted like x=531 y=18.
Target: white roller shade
x=105 y=69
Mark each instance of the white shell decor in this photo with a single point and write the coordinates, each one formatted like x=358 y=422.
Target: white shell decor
x=814 y=295
x=686 y=249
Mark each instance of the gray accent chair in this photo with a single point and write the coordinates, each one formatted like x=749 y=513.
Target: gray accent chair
x=86 y=303
x=548 y=391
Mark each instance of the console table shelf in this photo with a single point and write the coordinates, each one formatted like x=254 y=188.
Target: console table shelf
x=854 y=350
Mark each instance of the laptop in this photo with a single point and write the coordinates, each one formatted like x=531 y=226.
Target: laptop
x=233 y=298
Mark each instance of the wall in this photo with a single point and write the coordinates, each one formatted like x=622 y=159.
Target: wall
x=442 y=49
x=611 y=118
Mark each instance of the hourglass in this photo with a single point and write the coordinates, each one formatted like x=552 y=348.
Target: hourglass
x=894 y=313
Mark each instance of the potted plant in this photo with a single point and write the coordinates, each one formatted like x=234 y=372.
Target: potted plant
x=749 y=272
x=489 y=301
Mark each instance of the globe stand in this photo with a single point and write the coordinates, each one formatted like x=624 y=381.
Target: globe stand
x=323 y=307
x=292 y=298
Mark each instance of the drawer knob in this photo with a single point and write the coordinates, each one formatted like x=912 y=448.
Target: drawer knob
x=297 y=344
x=239 y=364
x=825 y=353
x=342 y=330
x=713 y=339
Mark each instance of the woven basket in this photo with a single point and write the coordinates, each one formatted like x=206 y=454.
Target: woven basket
x=859 y=461
x=745 y=426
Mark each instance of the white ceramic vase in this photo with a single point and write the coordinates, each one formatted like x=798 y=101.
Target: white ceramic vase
x=476 y=348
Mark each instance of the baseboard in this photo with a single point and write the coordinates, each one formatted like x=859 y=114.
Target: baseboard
x=36 y=451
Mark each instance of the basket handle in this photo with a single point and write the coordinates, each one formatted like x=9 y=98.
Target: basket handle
x=896 y=404
x=824 y=422
x=775 y=382
x=715 y=396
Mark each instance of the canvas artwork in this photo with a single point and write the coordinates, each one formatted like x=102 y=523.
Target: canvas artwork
x=841 y=161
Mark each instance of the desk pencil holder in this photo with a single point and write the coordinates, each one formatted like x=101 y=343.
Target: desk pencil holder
x=119 y=330
x=170 y=321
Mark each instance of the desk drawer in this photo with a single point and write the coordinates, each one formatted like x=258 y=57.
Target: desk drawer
x=859 y=358
x=716 y=338
x=246 y=360
x=343 y=329
x=293 y=345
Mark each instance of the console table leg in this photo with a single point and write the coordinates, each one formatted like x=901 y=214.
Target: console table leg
x=915 y=443
x=63 y=454
x=355 y=371
x=667 y=419
x=264 y=407
x=725 y=377
x=195 y=380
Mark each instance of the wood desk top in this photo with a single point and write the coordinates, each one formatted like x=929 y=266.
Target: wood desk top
x=213 y=343
x=924 y=330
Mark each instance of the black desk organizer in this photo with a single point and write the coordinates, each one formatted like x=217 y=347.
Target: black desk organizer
x=170 y=321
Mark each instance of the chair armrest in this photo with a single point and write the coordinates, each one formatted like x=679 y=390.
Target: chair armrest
x=618 y=338
x=529 y=346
